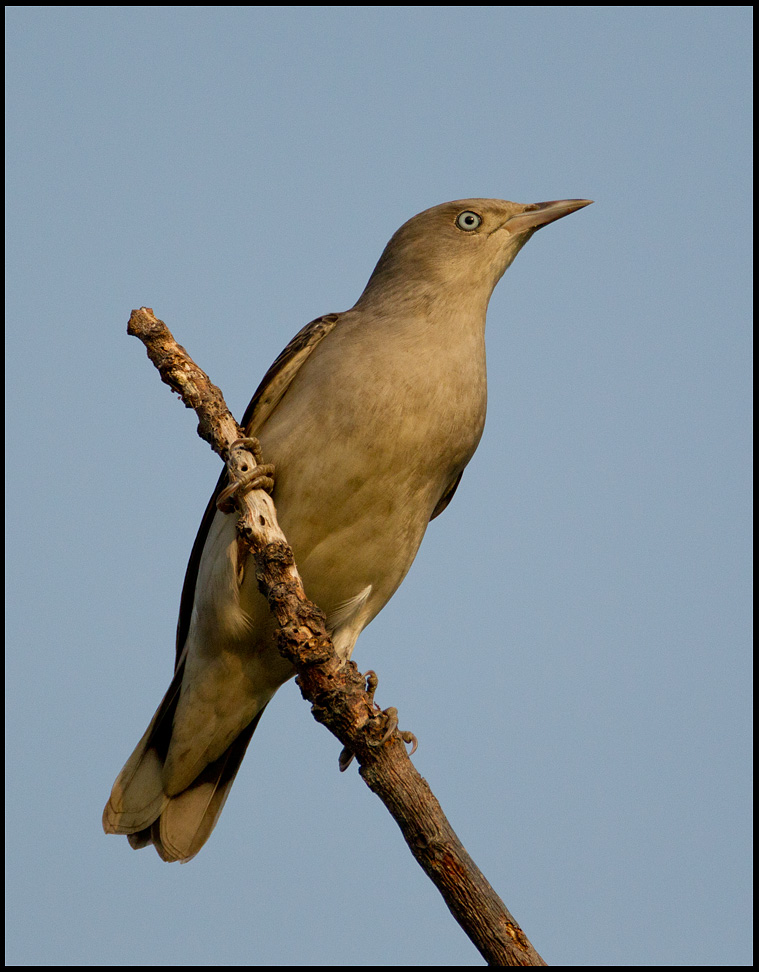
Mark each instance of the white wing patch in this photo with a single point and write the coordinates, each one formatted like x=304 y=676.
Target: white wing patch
x=347 y=621
x=347 y=611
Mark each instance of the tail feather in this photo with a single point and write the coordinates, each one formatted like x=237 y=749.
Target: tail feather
x=179 y=825
x=137 y=797
x=189 y=818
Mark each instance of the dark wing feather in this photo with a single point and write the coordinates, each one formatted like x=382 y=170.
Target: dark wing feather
x=278 y=378
x=447 y=496
x=269 y=393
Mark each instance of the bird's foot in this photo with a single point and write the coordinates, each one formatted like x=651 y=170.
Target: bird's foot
x=243 y=477
x=386 y=720
x=388 y=716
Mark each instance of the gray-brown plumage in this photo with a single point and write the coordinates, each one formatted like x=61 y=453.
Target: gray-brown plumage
x=370 y=417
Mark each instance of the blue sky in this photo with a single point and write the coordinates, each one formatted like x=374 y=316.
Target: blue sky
x=572 y=644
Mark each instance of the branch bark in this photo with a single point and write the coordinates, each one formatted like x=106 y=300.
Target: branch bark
x=337 y=693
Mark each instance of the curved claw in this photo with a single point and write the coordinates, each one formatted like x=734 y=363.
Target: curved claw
x=391 y=719
x=258 y=478
x=244 y=479
x=250 y=444
x=409 y=737
x=387 y=719
x=346 y=758
x=371 y=686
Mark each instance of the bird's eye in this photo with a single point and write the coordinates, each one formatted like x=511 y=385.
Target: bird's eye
x=468 y=220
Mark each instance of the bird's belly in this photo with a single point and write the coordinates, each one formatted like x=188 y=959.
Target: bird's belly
x=354 y=489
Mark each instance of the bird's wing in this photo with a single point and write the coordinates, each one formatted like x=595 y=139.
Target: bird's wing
x=279 y=377
x=268 y=395
x=447 y=496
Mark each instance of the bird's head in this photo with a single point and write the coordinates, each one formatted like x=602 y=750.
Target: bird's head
x=460 y=248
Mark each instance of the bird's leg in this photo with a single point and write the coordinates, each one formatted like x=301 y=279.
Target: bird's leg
x=243 y=477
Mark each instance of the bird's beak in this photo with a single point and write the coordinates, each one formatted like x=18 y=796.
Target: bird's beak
x=535 y=215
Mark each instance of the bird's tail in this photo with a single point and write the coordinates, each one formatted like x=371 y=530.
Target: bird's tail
x=180 y=824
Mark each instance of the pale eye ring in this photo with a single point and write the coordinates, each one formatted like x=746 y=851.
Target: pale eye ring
x=468 y=220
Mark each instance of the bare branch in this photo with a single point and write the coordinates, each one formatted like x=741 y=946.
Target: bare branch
x=337 y=692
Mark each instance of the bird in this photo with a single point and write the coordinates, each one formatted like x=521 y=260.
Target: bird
x=369 y=417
